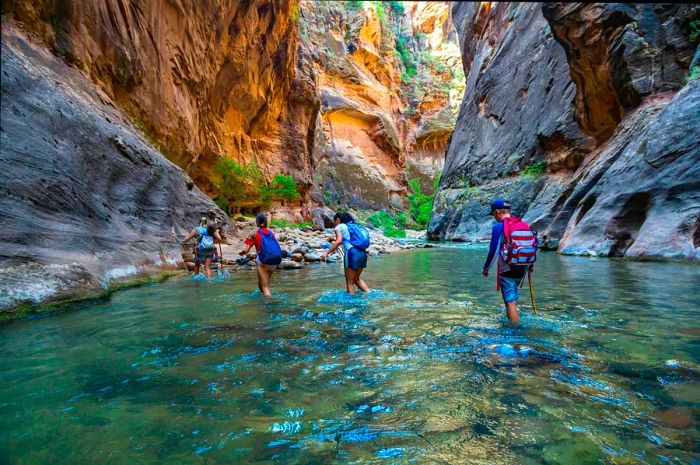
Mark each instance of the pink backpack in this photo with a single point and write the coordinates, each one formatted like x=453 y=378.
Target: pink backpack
x=519 y=247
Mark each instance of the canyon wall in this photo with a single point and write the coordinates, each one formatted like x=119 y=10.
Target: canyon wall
x=343 y=96
x=85 y=198
x=584 y=116
x=386 y=81
x=200 y=79
x=115 y=112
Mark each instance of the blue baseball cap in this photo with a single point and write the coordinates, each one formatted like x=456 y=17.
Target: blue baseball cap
x=499 y=204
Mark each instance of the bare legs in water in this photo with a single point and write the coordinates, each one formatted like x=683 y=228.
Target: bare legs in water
x=264 y=275
x=352 y=279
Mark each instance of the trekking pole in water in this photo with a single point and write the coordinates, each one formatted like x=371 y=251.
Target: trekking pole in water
x=532 y=291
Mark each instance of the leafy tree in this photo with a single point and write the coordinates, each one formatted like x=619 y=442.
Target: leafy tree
x=283 y=189
x=238 y=185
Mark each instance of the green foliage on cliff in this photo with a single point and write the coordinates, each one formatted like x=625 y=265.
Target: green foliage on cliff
x=534 y=169
x=239 y=186
x=380 y=10
x=354 y=4
x=395 y=7
x=244 y=187
x=406 y=58
x=420 y=204
x=283 y=189
x=694 y=74
x=390 y=224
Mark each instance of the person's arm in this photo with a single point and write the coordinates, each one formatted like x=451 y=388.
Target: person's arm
x=496 y=235
x=190 y=235
x=249 y=242
x=334 y=246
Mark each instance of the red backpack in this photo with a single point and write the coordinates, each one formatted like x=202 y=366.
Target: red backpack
x=519 y=246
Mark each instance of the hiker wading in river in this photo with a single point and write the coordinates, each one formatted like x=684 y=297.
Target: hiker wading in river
x=205 y=250
x=269 y=253
x=514 y=246
x=354 y=239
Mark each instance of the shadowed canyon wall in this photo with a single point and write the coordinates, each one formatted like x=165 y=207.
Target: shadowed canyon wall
x=85 y=198
x=584 y=116
x=200 y=79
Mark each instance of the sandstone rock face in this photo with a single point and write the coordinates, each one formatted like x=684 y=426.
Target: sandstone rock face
x=619 y=53
x=381 y=113
x=336 y=109
x=201 y=79
x=86 y=199
x=611 y=145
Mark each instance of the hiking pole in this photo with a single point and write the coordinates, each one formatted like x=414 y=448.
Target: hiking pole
x=532 y=291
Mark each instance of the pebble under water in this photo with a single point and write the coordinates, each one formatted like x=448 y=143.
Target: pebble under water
x=422 y=370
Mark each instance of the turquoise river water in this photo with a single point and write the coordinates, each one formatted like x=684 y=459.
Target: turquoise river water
x=423 y=370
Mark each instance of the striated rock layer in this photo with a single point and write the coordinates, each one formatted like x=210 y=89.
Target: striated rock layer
x=383 y=116
x=85 y=198
x=581 y=115
x=200 y=79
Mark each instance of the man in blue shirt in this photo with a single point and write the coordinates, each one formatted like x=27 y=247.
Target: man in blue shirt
x=509 y=277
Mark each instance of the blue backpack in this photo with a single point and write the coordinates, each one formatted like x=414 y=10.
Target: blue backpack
x=205 y=241
x=270 y=253
x=359 y=236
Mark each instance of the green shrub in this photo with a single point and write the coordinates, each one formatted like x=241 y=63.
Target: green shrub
x=295 y=13
x=395 y=7
x=406 y=56
x=380 y=10
x=238 y=185
x=534 y=169
x=354 y=4
x=694 y=74
x=420 y=204
x=694 y=31
x=389 y=224
x=283 y=189
x=283 y=223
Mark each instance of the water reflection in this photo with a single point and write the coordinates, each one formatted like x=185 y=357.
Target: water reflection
x=424 y=370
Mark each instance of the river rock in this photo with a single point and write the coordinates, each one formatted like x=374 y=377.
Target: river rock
x=290 y=265
x=297 y=257
x=86 y=199
x=322 y=218
x=312 y=257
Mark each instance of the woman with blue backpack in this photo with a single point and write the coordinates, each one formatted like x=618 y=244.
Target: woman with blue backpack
x=205 y=251
x=269 y=253
x=355 y=240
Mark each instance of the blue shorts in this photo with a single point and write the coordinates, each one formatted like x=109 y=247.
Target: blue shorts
x=355 y=258
x=509 y=288
x=199 y=259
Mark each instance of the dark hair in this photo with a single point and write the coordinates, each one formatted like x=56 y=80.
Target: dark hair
x=261 y=220
x=211 y=229
x=344 y=217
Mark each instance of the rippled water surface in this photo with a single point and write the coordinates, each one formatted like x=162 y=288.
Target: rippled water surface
x=422 y=370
